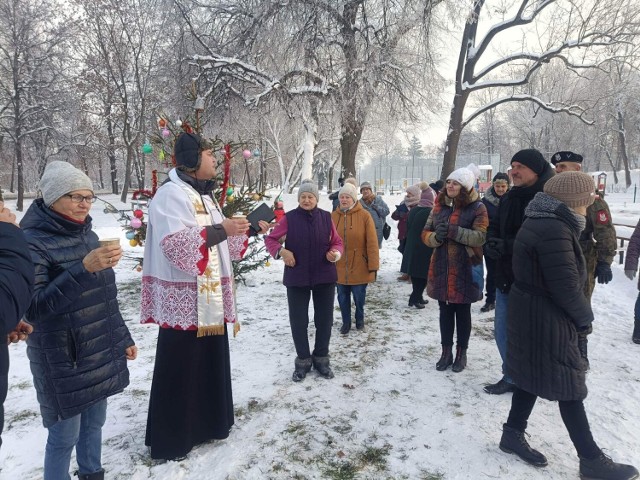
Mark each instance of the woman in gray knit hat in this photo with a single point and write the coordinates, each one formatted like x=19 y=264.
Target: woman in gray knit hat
x=547 y=311
x=80 y=344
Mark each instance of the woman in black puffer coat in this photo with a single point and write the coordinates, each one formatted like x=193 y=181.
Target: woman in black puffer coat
x=547 y=309
x=80 y=344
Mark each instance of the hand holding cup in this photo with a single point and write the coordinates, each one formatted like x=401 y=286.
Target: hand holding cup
x=106 y=256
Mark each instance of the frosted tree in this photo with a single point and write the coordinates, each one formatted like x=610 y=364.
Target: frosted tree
x=32 y=43
x=571 y=35
x=126 y=40
x=350 y=54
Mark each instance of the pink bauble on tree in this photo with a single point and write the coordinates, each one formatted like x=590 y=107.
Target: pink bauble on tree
x=246 y=154
x=165 y=132
x=136 y=223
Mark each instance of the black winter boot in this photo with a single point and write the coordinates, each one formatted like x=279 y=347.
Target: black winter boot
x=603 y=468
x=419 y=305
x=446 y=358
x=321 y=364
x=461 y=360
x=636 y=332
x=488 y=306
x=303 y=365
x=582 y=346
x=513 y=441
x=502 y=386
x=91 y=476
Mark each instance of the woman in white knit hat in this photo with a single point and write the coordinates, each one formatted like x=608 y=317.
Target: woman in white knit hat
x=456 y=230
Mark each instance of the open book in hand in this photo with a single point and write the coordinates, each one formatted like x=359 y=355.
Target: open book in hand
x=261 y=212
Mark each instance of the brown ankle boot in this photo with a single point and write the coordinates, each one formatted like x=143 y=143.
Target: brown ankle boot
x=461 y=360
x=446 y=358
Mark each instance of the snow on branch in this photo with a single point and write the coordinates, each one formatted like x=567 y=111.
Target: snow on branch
x=544 y=57
x=518 y=19
x=250 y=74
x=552 y=107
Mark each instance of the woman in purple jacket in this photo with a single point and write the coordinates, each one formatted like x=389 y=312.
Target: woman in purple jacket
x=311 y=248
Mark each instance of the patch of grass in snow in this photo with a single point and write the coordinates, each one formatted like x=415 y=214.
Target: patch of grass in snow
x=253 y=406
x=484 y=331
x=21 y=386
x=296 y=428
x=374 y=456
x=130 y=288
x=340 y=471
x=426 y=475
x=20 y=417
x=137 y=392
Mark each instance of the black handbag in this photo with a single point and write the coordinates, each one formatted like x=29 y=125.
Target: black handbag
x=386 y=231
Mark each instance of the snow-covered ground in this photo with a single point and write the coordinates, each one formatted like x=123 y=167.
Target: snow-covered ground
x=387 y=413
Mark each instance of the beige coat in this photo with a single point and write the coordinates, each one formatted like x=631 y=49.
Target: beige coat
x=361 y=259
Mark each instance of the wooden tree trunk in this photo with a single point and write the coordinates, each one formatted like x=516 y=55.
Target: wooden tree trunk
x=20 y=202
x=127 y=174
x=622 y=143
x=453 y=135
x=349 y=142
x=111 y=150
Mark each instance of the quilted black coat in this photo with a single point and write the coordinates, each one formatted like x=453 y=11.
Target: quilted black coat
x=547 y=304
x=77 y=348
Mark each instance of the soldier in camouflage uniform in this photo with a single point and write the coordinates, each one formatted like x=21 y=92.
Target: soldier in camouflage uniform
x=598 y=239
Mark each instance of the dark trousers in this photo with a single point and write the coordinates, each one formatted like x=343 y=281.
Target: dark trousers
x=490 y=280
x=573 y=416
x=4 y=381
x=323 y=299
x=454 y=315
x=419 y=285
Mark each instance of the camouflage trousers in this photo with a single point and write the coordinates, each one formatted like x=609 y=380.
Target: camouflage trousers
x=591 y=258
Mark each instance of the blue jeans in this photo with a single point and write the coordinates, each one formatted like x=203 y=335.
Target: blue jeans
x=500 y=329
x=359 y=293
x=636 y=311
x=84 y=432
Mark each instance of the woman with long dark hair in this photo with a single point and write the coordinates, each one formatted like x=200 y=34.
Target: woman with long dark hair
x=456 y=231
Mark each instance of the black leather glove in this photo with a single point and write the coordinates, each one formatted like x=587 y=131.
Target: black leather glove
x=441 y=231
x=494 y=248
x=603 y=272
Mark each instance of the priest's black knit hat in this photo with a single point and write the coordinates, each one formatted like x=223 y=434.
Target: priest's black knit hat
x=187 y=150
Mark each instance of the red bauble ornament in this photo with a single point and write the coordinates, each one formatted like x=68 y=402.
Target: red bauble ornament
x=162 y=123
x=138 y=213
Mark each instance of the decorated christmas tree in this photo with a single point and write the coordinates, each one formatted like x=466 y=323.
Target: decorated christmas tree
x=231 y=198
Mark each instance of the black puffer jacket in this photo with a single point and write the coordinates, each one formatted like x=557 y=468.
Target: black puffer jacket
x=77 y=349
x=507 y=222
x=547 y=304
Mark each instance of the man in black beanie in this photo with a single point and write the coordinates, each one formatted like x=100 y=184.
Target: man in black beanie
x=597 y=240
x=529 y=173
